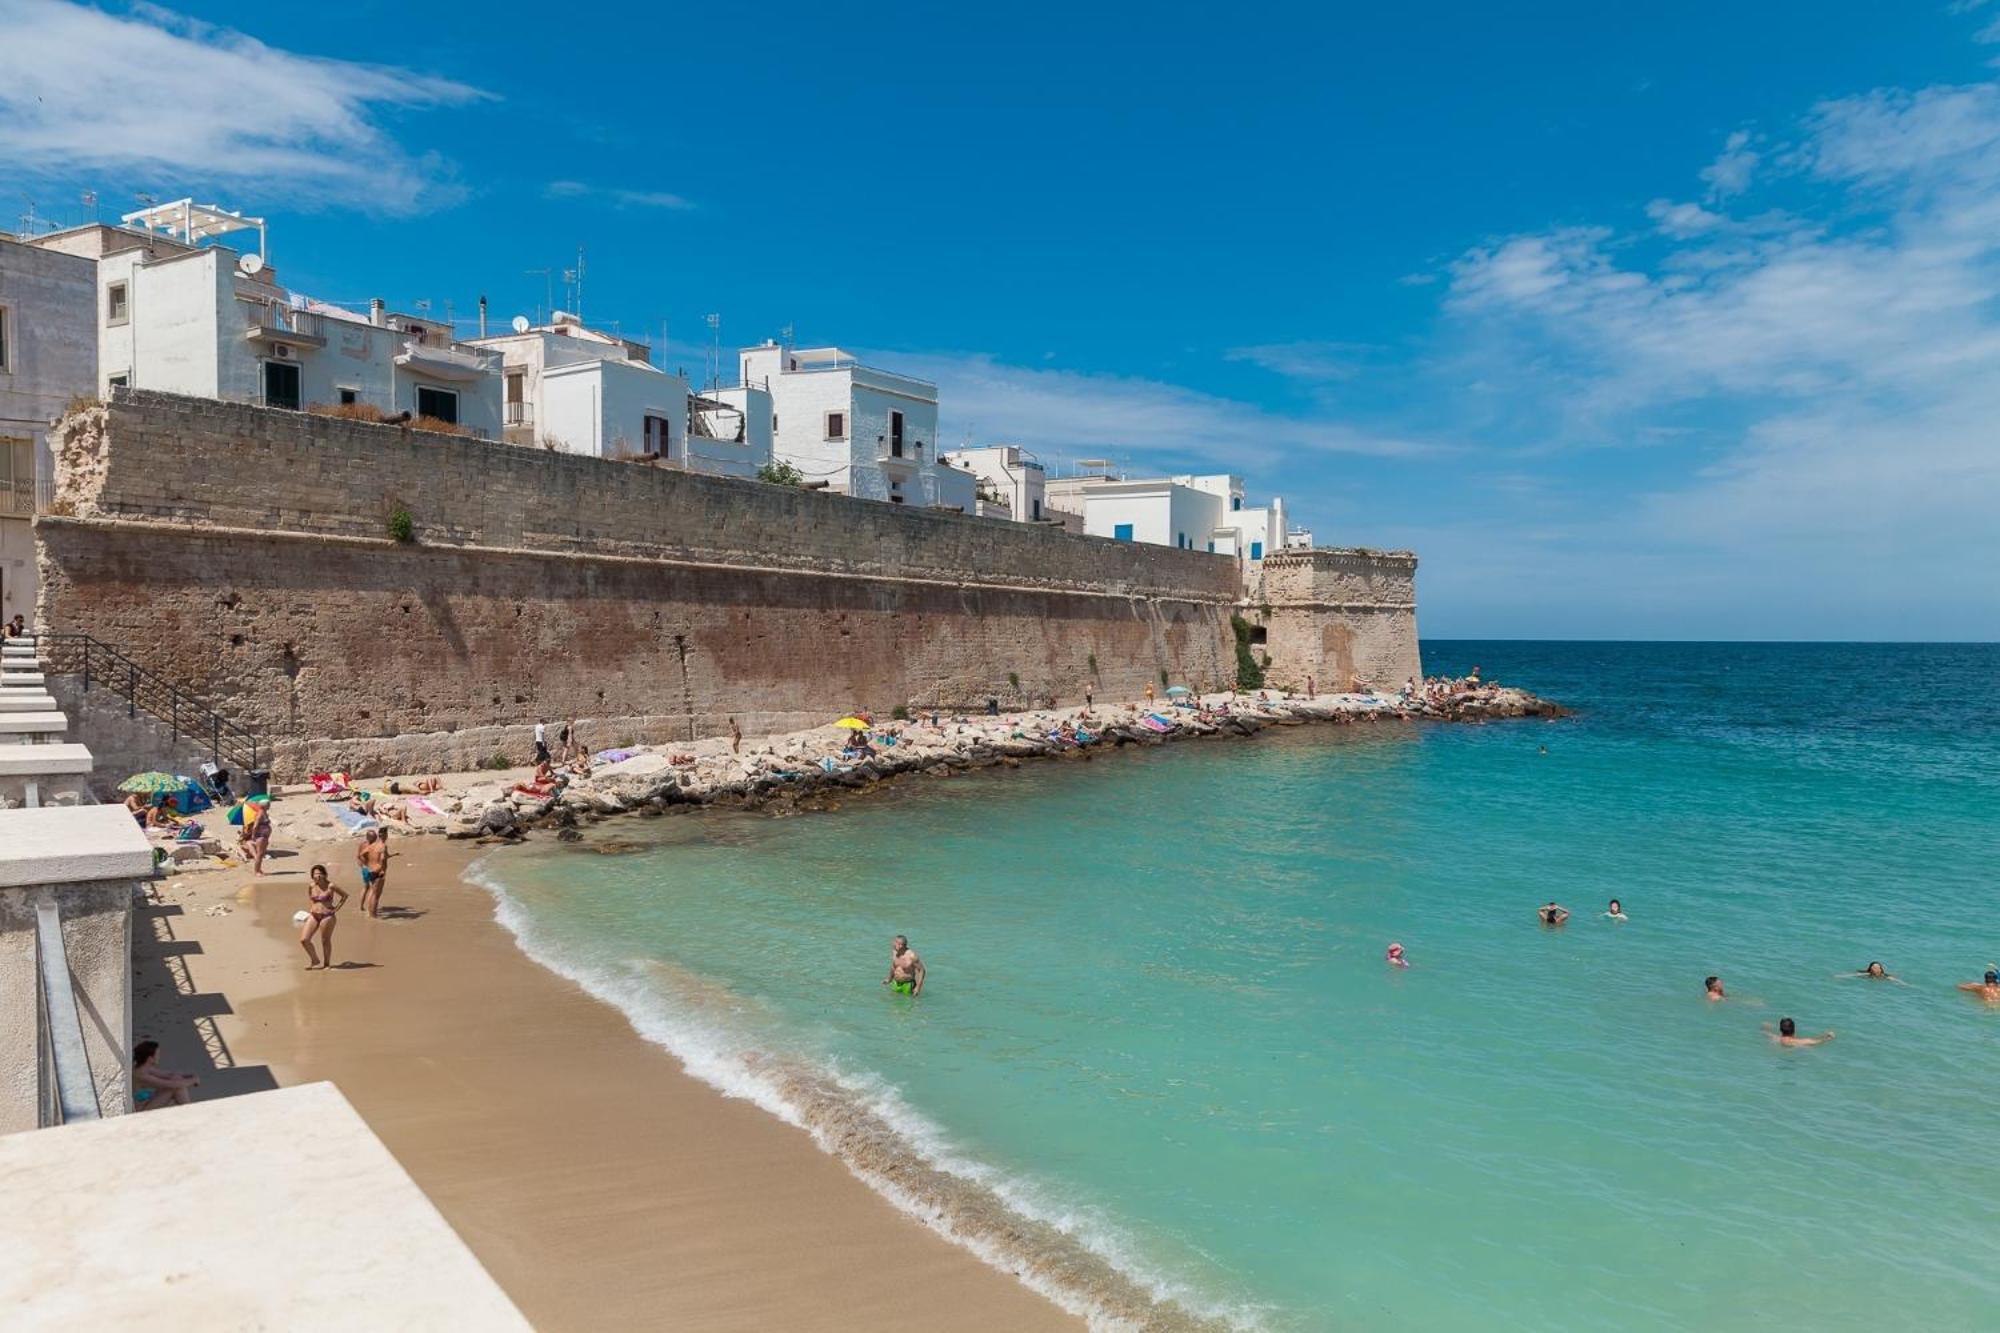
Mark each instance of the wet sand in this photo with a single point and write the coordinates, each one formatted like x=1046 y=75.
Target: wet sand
x=600 y=1184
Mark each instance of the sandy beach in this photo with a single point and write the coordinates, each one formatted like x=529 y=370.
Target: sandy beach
x=600 y=1184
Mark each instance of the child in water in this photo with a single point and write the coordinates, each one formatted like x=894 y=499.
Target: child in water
x=1395 y=956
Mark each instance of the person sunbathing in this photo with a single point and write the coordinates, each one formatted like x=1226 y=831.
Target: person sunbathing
x=166 y=814
x=153 y=1087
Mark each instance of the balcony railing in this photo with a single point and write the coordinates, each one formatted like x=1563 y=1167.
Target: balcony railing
x=283 y=322
x=894 y=451
x=520 y=414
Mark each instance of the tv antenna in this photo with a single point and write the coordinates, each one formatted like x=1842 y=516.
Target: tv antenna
x=714 y=322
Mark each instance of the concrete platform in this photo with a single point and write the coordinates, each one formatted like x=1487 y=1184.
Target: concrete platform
x=38 y=761
x=221 y=1215
x=68 y=845
x=14 y=680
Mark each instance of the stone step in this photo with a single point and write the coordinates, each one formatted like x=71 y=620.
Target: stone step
x=14 y=680
x=13 y=724
x=63 y=845
x=40 y=761
x=27 y=701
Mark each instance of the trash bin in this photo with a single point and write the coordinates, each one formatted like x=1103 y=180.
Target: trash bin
x=257 y=783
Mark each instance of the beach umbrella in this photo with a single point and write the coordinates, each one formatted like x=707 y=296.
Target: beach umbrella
x=852 y=724
x=1179 y=689
x=153 y=783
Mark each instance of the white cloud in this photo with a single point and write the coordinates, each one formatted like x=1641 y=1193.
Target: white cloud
x=167 y=100
x=1154 y=425
x=1844 y=378
x=616 y=196
x=1314 y=362
x=1732 y=169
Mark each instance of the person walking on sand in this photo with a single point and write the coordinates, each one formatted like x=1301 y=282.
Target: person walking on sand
x=1788 y=1035
x=541 y=742
x=735 y=737
x=1987 y=990
x=152 y=1086
x=1552 y=914
x=324 y=899
x=906 y=970
x=256 y=840
x=373 y=858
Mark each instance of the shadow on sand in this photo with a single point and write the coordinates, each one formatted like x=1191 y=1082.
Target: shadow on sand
x=167 y=1007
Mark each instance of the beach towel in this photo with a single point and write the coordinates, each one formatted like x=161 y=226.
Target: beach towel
x=831 y=767
x=613 y=756
x=356 y=821
x=424 y=807
x=1156 y=724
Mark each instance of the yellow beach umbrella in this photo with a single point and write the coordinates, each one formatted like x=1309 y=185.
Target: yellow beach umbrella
x=852 y=724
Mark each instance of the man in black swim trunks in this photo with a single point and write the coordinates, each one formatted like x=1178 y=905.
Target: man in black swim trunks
x=1552 y=914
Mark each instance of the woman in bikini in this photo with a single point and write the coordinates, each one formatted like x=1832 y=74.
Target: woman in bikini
x=321 y=908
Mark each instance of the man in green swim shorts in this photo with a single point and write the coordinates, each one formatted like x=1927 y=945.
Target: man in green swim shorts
x=906 y=970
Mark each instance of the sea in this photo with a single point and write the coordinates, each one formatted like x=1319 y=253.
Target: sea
x=1161 y=1067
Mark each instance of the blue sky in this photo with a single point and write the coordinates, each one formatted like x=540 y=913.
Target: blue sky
x=1681 y=322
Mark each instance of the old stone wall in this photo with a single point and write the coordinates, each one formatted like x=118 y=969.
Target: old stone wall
x=245 y=553
x=1341 y=617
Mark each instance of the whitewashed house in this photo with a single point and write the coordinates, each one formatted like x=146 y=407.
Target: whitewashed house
x=1194 y=513
x=859 y=430
x=48 y=355
x=1012 y=483
x=729 y=431
x=180 y=316
x=584 y=391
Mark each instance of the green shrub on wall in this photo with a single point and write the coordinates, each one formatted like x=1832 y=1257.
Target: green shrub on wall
x=1249 y=676
x=402 y=527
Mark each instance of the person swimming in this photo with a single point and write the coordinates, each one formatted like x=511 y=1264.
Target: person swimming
x=1616 y=911
x=1874 y=972
x=1987 y=990
x=1553 y=914
x=1788 y=1035
x=1395 y=956
x=1712 y=987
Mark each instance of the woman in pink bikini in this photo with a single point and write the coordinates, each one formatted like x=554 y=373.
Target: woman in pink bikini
x=321 y=908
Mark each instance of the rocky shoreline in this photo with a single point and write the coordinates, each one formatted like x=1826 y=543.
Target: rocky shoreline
x=803 y=768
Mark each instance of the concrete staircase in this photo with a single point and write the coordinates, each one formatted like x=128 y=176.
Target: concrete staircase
x=38 y=765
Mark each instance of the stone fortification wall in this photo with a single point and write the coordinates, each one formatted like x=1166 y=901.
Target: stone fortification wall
x=1341 y=617
x=246 y=553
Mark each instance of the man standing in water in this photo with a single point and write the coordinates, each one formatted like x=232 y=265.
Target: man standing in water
x=373 y=858
x=1553 y=914
x=1987 y=990
x=906 y=970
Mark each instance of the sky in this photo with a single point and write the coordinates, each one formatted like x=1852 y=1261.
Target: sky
x=1665 y=322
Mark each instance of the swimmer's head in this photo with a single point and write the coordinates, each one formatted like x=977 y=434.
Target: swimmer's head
x=900 y=943
x=1992 y=977
x=1617 y=906
x=1787 y=1028
x=1711 y=984
x=1395 y=951
x=1875 y=970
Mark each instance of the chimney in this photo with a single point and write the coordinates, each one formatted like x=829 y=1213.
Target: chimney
x=375 y=309
x=482 y=317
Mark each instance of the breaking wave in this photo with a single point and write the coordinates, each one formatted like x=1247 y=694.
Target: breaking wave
x=1067 y=1252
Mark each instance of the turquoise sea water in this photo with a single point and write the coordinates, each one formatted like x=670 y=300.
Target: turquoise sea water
x=1158 y=1012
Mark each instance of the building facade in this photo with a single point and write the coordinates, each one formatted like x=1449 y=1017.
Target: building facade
x=48 y=356
x=1194 y=513
x=1011 y=482
x=208 y=321
x=859 y=430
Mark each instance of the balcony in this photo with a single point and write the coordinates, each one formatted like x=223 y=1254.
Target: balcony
x=887 y=380
x=519 y=414
x=907 y=454
x=279 y=323
x=448 y=363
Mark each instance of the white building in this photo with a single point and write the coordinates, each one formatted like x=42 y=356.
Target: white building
x=729 y=430
x=1194 y=513
x=1012 y=484
x=862 y=431
x=569 y=387
x=183 y=317
x=48 y=355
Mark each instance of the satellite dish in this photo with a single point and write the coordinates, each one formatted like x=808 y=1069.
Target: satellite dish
x=252 y=264
x=520 y=323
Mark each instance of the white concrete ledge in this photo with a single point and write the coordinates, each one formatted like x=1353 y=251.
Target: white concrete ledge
x=241 y=1213
x=34 y=724
x=14 y=680
x=36 y=761
x=27 y=701
x=67 y=845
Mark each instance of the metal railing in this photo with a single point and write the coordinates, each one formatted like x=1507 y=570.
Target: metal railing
x=69 y=1092
x=19 y=497
x=146 y=691
x=519 y=414
x=283 y=320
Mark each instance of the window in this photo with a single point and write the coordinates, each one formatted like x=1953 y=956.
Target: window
x=119 y=381
x=895 y=435
x=1211 y=548
x=440 y=404
x=281 y=385
x=17 y=475
x=1235 y=503
x=1122 y=533
x=117 y=303
x=349 y=397
x=774 y=423
x=1256 y=550
x=1038 y=510
x=836 y=425
x=658 y=441
x=895 y=492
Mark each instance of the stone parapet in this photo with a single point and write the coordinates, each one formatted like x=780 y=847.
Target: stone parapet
x=1342 y=617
